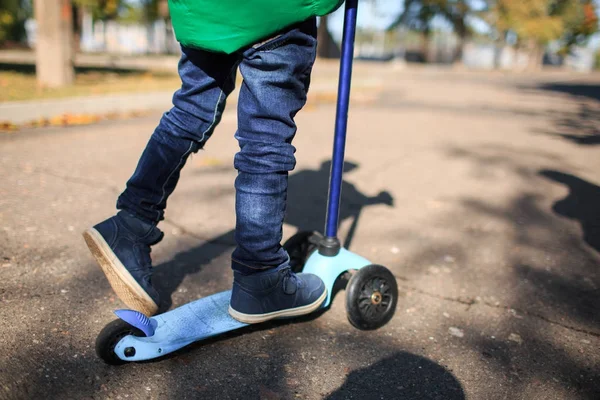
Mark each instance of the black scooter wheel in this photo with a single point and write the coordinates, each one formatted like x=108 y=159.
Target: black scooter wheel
x=110 y=336
x=371 y=297
x=299 y=248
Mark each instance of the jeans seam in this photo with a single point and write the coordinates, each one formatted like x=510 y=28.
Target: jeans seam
x=181 y=160
x=216 y=110
x=275 y=44
x=265 y=43
x=190 y=149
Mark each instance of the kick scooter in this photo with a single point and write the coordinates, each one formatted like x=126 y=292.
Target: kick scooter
x=371 y=292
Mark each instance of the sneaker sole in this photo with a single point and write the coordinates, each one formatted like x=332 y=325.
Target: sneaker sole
x=290 y=312
x=124 y=285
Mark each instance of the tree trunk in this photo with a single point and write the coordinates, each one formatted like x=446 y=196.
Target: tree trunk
x=163 y=9
x=425 y=45
x=460 y=51
x=536 y=56
x=326 y=46
x=54 y=43
x=78 y=13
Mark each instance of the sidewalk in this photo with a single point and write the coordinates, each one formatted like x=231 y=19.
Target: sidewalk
x=323 y=90
x=91 y=60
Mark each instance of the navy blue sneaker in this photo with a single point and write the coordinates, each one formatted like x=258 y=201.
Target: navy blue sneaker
x=121 y=245
x=275 y=293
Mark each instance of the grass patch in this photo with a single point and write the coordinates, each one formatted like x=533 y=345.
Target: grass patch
x=19 y=85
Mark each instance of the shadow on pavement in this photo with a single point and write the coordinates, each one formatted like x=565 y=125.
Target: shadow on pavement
x=591 y=91
x=276 y=370
x=582 y=126
x=581 y=204
x=400 y=376
x=307 y=200
x=551 y=286
x=306 y=211
x=541 y=277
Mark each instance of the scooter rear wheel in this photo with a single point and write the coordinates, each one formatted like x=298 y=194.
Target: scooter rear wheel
x=110 y=336
x=371 y=297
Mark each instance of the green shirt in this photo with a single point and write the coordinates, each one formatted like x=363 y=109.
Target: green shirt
x=226 y=26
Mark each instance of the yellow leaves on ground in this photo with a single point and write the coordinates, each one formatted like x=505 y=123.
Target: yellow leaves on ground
x=18 y=86
x=66 y=120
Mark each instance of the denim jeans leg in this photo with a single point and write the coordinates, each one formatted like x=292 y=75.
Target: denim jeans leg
x=207 y=79
x=276 y=79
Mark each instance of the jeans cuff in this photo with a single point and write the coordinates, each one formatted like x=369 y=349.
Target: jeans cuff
x=245 y=269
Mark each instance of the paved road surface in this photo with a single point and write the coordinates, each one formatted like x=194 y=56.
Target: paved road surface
x=493 y=235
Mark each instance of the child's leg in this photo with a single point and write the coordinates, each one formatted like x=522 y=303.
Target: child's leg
x=276 y=79
x=207 y=80
x=121 y=244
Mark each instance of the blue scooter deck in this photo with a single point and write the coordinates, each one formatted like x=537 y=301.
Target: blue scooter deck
x=200 y=319
x=209 y=316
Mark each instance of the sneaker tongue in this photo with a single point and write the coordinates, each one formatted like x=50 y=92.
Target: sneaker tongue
x=290 y=283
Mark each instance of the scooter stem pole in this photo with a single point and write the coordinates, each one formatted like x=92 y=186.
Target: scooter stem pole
x=341 y=119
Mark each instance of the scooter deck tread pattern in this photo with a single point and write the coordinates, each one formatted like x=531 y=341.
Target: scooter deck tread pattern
x=206 y=316
x=200 y=319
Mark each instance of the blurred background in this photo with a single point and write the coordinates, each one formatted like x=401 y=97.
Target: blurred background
x=137 y=35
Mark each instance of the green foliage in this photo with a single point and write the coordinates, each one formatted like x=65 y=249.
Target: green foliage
x=419 y=14
x=529 y=20
x=532 y=21
x=124 y=10
x=6 y=22
x=150 y=9
x=13 y=14
x=155 y=9
x=581 y=21
x=101 y=9
x=542 y=21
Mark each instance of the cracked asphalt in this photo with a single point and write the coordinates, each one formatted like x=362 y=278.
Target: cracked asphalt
x=479 y=190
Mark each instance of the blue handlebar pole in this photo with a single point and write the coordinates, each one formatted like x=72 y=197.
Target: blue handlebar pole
x=341 y=119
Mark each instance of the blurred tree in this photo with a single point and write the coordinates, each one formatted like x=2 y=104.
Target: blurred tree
x=581 y=21
x=419 y=15
x=101 y=9
x=538 y=22
x=13 y=14
x=326 y=46
x=6 y=22
x=155 y=9
x=54 y=42
x=456 y=12
x=534 y=23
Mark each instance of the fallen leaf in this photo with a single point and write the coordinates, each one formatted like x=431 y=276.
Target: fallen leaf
x=513 y=337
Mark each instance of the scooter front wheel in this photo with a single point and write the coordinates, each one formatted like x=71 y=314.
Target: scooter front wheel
x=371 y=297
x=110 y=336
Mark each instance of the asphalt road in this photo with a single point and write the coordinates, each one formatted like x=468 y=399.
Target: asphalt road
x=480 y=191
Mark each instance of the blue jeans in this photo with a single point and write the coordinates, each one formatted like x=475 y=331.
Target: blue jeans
x=275 y=85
